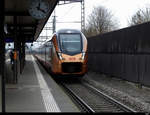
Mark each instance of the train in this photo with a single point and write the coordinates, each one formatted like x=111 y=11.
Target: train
x=65 y=53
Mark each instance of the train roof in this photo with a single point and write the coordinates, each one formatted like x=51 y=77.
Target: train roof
x=68 y=31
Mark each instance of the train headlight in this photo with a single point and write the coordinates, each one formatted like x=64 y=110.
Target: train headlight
x=60 y=56
x=83 y=55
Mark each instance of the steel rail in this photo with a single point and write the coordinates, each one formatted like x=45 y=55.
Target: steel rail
x=110 y=99
x=78 y=100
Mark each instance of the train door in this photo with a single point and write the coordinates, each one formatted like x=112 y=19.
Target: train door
x=48 y=51
x=43 y=52
x=51 y=51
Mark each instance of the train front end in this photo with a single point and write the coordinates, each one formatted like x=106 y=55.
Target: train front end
x=72 y=52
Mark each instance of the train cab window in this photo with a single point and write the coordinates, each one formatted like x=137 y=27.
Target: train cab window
x=70 y=42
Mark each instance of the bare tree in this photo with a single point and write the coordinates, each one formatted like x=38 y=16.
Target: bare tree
x=101 y=20
x=141 y=16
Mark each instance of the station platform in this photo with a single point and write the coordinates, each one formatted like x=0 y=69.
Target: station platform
x=36 y=91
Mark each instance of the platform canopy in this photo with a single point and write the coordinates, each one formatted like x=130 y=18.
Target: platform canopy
x=28 y=27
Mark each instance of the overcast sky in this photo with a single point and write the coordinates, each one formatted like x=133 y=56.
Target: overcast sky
x=122 y=10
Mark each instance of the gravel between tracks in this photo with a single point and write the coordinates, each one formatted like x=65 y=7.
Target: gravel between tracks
x=126 y=92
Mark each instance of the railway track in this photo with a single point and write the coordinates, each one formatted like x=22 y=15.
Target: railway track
x=90 y=99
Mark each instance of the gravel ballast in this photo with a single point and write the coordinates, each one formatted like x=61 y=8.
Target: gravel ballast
x=126 y=92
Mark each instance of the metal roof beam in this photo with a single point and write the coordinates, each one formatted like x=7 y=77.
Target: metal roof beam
x=23 y=25
x=13 y=13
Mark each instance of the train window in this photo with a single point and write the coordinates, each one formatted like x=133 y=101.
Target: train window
x=70 y=42
x=48 y=44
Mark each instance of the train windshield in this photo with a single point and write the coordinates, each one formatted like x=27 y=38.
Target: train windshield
x=70 y=43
